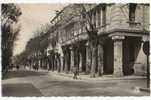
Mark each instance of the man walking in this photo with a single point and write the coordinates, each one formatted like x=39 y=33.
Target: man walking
x=75 y=72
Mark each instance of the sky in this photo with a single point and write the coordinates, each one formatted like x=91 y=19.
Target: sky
x=32 y=18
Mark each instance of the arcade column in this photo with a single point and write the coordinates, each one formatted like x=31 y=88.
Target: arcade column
x=71 y=58
x=100 y=59
x=118 y=54
x=87 y=58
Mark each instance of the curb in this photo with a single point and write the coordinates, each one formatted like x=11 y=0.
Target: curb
x=100 y=78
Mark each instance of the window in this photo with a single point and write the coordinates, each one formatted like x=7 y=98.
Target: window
x=103 y=15
x=94 y=18
x=98 y=21
x=132 y=9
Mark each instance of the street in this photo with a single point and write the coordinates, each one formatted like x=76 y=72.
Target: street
x=43 y=83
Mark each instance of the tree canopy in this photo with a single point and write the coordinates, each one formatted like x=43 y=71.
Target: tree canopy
x=10 y=30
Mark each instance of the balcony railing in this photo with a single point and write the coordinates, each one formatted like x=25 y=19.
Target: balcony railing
x=134 y=24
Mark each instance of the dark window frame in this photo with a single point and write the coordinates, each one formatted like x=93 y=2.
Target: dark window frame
x=132 y=12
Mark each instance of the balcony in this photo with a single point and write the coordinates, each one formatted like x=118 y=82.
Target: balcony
x=134 y=24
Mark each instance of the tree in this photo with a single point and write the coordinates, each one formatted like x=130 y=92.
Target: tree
x=35 y=48
x=9 y=18
x=92 y=33
x=83 y=14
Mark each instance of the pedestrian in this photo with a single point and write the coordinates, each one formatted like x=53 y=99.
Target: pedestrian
x=17 y=67
x=37 y=67
x=75 y=73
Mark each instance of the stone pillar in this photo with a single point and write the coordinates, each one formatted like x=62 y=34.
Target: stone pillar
x=61 y=62
x=58 y=63
x=118 y=55
x=71 y=58
x=47 y=65
x=87 y=59
x=80 y=62
x=66 y=62
x=39 y=63
x=100 y=59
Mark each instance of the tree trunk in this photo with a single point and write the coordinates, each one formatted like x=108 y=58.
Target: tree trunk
x=94 y=61
x=66 y=63
x=100 y=60
x=59 y=63
x=88 y=60
x=53 y=62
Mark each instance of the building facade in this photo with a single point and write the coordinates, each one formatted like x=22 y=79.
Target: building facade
x=121 y=31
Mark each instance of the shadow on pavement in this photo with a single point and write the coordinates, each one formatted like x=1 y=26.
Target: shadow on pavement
x=20 y=90
x=23 y=73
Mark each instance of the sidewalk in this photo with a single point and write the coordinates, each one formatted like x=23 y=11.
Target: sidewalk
x=100 y=78
x=83 y=76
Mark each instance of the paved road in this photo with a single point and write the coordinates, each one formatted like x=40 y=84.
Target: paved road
x=43 y=83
